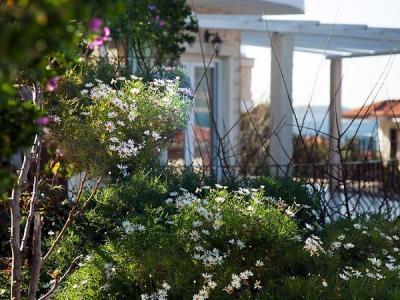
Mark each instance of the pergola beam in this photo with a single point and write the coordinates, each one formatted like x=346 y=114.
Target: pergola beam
x=310 y=28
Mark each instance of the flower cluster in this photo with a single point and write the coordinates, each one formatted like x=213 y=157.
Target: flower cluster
x=126 y=121
x=161 y=293
x=100 y=33
x=130 y=228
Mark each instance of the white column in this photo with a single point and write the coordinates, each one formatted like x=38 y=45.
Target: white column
x=335 y=120
x=281 y=116
x=189 y=142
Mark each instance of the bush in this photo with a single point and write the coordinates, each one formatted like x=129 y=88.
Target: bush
x=223 y=244
x=361 y=259
x=125 y=122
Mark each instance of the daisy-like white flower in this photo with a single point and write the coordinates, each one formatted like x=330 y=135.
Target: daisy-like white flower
x=324 y=283
x=257 y=285
x=112 y=114
x=240 y=244
x=110 y=127
x=135 y=91
x=156 y=136
x=348 y=246
x=343 y=276
x=259 y=263
x=309 y=227
x=166 y=286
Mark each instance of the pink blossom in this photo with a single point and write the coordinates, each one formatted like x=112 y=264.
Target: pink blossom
x=101 y=39
x=42 y=121
x=52 y=84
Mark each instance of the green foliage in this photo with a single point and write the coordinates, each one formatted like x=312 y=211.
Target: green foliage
x=35 y=31
x=124 y=121
x=220 y=234
x=155 y=31
x=18 y=126
x=361 y=260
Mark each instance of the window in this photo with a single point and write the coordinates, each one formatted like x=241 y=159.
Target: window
x=197 y=145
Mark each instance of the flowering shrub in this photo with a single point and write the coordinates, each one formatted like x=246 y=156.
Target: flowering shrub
x=121 y=125
x=216 y=244
x=360 y=259
x=220 y=245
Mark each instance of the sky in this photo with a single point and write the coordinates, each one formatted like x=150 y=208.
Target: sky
x=359 y=74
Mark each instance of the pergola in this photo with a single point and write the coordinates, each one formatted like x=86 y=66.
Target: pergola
x=334 y=41
x=248 y=7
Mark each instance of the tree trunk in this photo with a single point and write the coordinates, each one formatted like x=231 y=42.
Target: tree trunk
x=37 y=257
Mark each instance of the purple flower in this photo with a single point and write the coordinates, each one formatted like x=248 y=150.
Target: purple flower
x=52 y=84
x=42 y=121
x=101 y=39
x=151 y=7
x=157 y=18
x=106 y=33
x=162 y=23
x=97 y=42
x=95 y=24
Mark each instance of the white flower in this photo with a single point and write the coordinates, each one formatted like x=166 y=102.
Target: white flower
x=375 y=261
x=212 y=284
x=309 y=227
x=166 y=286
x=55 y=119
x=197 y=223
x=219 y=199
x=343 y=276
x=84 y=92
x=169 y=201
x=174 y=194
x=240 y=244
x=156 y=136
x=110 y=126
x=341 y=237
x=259 y=263
x=114 y=140
x=357 y=226
x=89 y=85
x=112 y=114
x=229 y=289
x=313 y=245
x=324 y=283
x=245 y=275
x=290 y=212
x=135 y=91
x=194 y=235
x=236 y=282
x=120 y=123
x=348 y=246
x=257 y=285
x=336 y=245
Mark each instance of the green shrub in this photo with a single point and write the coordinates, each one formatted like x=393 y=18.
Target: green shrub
x=125 y=122
x=362 y=259
x=236 y=240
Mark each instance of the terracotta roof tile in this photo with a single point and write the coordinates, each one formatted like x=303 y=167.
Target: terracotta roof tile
x=387 y=108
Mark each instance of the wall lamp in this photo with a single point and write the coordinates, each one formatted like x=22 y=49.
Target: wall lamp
x=216 y=41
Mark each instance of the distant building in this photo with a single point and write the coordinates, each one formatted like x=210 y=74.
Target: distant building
x=387 y=114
